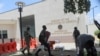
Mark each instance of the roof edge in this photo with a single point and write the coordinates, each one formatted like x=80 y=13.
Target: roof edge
x=25 y=6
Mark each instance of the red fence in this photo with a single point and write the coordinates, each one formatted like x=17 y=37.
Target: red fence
x=8 y=47
x=33 y=43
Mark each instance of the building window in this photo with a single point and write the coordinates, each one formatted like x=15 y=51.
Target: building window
x=3 y=34
x=0 y=35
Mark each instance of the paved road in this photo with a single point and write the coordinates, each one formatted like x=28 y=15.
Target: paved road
x=54 y=52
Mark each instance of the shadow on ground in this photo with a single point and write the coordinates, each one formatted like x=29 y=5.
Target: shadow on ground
x=54 y=52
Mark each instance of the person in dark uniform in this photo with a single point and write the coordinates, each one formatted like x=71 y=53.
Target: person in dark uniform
x=76 y=33
x=27 y=40
x=43 y=40
x=86 y=41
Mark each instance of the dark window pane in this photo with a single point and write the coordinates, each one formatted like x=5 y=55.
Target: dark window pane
x=0 y=35
x=4 y=33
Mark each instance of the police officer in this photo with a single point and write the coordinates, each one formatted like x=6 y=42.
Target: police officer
x=86 y=41
x=76 y=33
x=43 y=40
x=27 y=40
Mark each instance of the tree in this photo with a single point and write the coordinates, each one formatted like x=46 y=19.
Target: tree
x=76 y=6
x=96 y=32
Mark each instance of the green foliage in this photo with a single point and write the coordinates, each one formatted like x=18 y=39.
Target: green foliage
x=82 y=6
x=69 y=6
x=96 y=32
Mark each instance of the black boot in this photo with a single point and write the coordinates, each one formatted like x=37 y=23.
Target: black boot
x=23 y=52
x=36 y=54
x=51 y=55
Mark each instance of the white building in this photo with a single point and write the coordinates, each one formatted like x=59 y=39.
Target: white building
x=46 y=12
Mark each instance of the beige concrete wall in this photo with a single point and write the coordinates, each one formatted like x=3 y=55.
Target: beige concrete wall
x=10 y=29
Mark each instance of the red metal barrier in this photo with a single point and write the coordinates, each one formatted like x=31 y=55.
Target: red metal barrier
x=13 y=46
x=32 y=43
x=1 y=49
x=8 y=47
